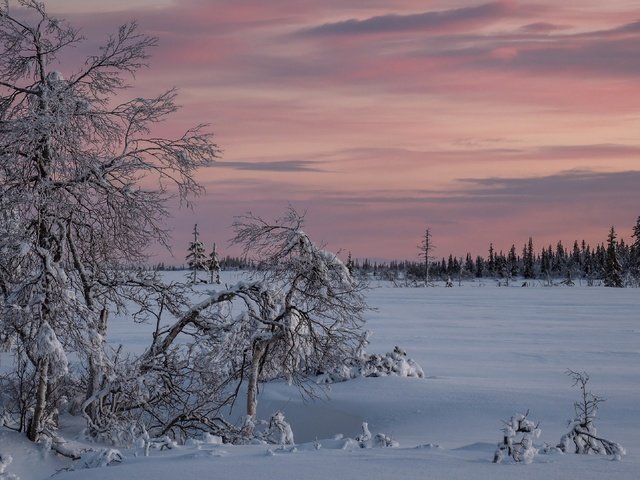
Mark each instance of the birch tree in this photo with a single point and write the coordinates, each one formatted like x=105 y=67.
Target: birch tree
x=306 y=317
x=300 y=315
x=72 y=164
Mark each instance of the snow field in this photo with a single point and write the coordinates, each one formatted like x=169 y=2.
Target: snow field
x=487 y=353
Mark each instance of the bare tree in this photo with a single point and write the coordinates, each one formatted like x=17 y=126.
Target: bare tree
x=583 y=434
x=71 y=164
x=425 y=250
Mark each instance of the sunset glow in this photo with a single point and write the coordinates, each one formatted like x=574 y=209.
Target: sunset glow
x=487 y=122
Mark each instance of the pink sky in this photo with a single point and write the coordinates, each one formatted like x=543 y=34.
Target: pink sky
x=485 y=121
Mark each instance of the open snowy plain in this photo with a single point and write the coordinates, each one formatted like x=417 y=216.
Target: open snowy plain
x=488 y=352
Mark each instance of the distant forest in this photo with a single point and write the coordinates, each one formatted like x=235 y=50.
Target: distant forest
x=611 y=263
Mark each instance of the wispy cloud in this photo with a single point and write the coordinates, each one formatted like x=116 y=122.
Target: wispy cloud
x=426 y=21
x=284 y=166
x=543 y=27
x=571 y=186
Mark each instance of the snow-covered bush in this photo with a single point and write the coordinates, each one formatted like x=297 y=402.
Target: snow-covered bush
x=392 y=363
x=583 y=434
x=517 y=449
x=395 y=363
x=380 y=440
x=5 y=461
x=278 y=431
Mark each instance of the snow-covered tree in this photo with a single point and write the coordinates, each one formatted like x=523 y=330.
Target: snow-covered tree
x=196 y=258
x=213 y=265
x=583 y=434
x=72 y=160
x=612 y=269
x=517 y=441
x=306 y=310
x=278 y=431
x=635 y=251
x=299 y=315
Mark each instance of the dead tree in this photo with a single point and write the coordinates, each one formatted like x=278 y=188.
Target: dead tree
x=425 y=250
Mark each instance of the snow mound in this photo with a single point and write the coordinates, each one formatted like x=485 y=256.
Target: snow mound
x=394 y=363
x=101 y=458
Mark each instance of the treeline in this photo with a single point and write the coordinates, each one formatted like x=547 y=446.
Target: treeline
x=227 y=263
x=611 y=263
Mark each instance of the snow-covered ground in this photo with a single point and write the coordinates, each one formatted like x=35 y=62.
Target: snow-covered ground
x=488 y=352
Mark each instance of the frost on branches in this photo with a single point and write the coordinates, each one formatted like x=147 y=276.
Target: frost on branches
x=304 y=312
x=583 y=437
x=74 y=219
x=517 y=442
x=71 y=162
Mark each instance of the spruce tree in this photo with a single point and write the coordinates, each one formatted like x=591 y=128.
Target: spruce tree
x=528 y=259
x=635 y=252
x=213 y=264
x=479 y=267
x=491 y=262
x=196 y=259
x=468 y=263
x=350 y=265
x=426 y=249
x=612 y=270
x=512 y=262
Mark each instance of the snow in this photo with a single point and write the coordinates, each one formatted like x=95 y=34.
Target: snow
x=48 y=346
x=487 y=352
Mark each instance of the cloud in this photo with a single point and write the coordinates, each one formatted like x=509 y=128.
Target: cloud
x=543 y=27
x=571 y=185
x=427 y=21
x=607 y=57
x=603 y=150
x=284 y=166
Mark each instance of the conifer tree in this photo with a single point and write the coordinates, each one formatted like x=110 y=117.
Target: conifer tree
x=512 y=261
x=350 y=265
x=213 y=265
x=468 y=263
x=479 y=266
x=426 y=250
x=196 y=257
x=612 y=269
x=491 y=262
x=528 y=259
x=635 y=251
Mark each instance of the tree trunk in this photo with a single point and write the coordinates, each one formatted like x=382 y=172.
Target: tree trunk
x=96 y=363
x=41 y=400
x=259 y=350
